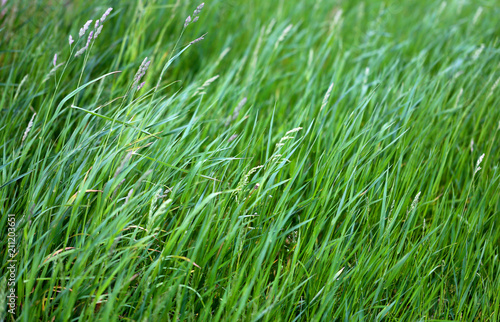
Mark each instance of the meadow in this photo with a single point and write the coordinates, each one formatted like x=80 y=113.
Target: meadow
x=301 y=160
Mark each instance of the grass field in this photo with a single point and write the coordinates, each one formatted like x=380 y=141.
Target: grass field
x=259 y=161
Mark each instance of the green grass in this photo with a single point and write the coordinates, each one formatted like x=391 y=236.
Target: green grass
x=145 y=206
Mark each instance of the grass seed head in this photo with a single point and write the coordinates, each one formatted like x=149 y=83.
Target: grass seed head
x=286 y=137
x=195 y=18
x=108 y=11
x=495 y=85
x=244 y=181
x=415 y=201
x=478 y=52
x=80 y=51
x=129 y=195
x=52 y=72
x=84 y=29
x=336 y=19
x=89 y=39
x=327 y=96
x=28 y=129
x=283 y=35
x=207 y=83
x=293 y=130
x=198 y=9
x=478 y=163
x=232 y=138
x=240 y=105
x=98 y=31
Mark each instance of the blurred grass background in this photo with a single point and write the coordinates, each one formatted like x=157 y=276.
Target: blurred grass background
x=188 y=200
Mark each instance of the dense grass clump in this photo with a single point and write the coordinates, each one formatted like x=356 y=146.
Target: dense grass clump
x=259 y=160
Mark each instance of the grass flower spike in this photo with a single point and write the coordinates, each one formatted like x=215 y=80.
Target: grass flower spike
x=141 y=72
x=106 y=13
x=478 y=163
x=84 y=29
x=196 y=13
x=28 y=129
x=187 y=21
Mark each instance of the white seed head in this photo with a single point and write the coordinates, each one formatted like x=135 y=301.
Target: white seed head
x=98 y=31
x=52 y=72
x=415 y=201
x=207 y=83
x=478 y=163
x=210 y=80
x=70 y=40
x=244 y=181
x=28 y=129
x=336 y=18
x=283 y=35
x=142 y=71
x=80 y=51
x=477 y=52
x=480 y=160
x=54 y=61
x=327 y=96
x=337 y=275
x=89 y=39
x=85 y=27
x=129 y=195
x=495 y=85
x=270 y=27
x=287 y=138
x=293 y=130
x=106 y=14
x=232 y=138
